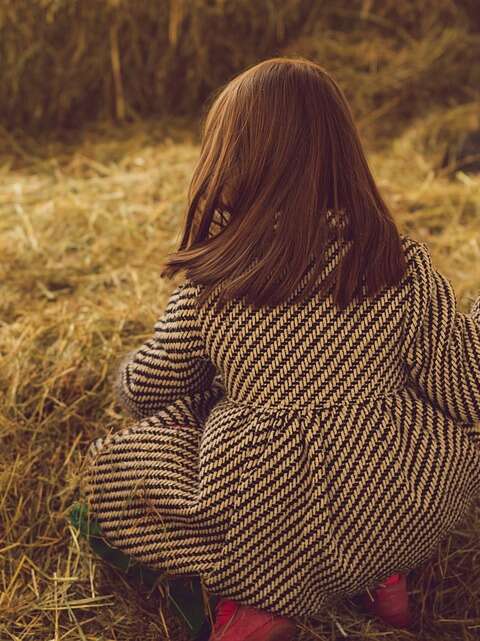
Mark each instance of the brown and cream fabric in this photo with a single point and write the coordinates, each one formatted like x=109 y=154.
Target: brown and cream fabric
x=298 y=453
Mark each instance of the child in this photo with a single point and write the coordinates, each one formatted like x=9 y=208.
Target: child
x=344 y=447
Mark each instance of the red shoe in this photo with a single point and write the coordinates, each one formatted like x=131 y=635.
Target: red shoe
x=235 y=622
x=391 y=602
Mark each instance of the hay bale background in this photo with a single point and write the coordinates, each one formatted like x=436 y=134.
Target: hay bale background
x=65 y=63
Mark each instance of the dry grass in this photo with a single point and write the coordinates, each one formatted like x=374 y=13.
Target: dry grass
x=83 y=231
x=68 y=63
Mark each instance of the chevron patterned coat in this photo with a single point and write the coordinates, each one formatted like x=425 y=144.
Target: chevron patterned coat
x=299 y=453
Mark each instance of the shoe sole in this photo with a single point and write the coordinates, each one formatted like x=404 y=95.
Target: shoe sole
x=394 y=616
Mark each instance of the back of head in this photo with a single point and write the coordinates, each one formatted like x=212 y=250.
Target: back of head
x=281 y=155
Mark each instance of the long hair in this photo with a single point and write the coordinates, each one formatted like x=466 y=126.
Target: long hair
x=282 y=156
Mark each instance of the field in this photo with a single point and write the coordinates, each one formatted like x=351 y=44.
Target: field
x=84 y=227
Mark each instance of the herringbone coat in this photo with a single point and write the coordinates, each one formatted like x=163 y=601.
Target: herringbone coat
x=341 y=449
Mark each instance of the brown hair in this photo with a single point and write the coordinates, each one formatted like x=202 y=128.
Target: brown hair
x=281 y=154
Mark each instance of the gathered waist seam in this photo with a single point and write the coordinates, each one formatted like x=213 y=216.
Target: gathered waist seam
x=312 y=407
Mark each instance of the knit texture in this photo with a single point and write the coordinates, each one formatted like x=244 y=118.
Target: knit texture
x=300 y=453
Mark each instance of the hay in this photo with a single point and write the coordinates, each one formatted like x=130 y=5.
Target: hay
x=83 y=230
x=68 y=63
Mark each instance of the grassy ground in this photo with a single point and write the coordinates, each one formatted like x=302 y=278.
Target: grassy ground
x=84 y=228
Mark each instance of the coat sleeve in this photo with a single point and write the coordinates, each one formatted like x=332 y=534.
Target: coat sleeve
x=442 y=346
x=170 y=365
